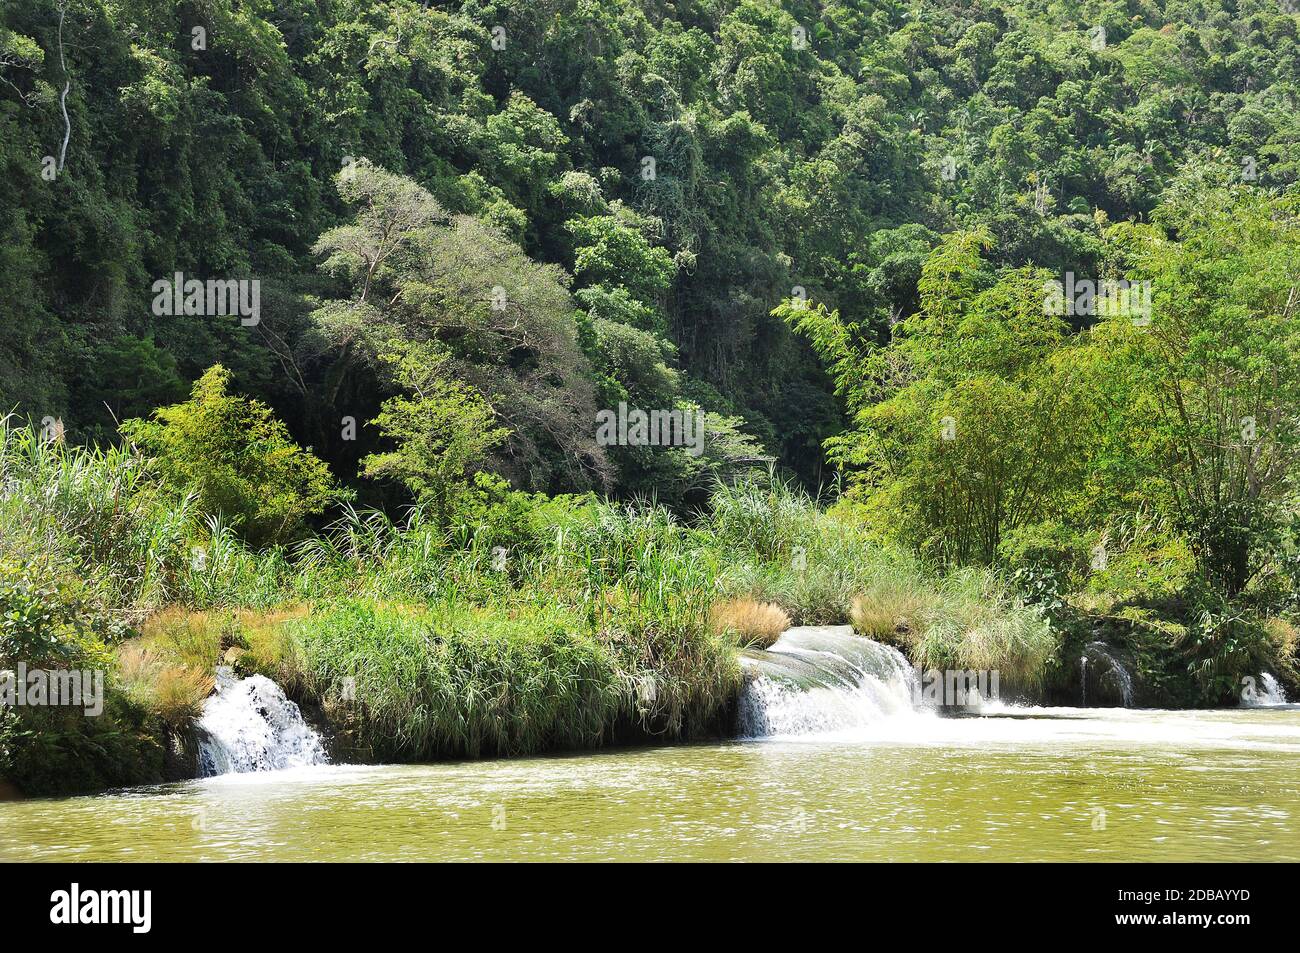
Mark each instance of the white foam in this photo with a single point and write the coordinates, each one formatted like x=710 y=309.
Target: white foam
x=824 y=680
x=825 y=684
x=248 y=725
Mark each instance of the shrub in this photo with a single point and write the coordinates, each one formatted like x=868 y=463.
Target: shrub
x=58 y=750
x=102 y=514
x=887 y=615
x=967 y=619
x=237 y=460
x=1046 y=548
x=1226 y=642
x=48 y=620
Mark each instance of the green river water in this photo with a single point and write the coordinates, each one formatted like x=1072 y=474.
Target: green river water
x=1024 y=784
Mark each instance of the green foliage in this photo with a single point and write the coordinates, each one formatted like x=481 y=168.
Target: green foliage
x=441 y=431
x=1224 y=358
x=431 y=685
x=1152 y=568
x=1223 y=646
x=1047 y=547
x=54 y=751
x=236 y=459
x=833 y=167
x=132 y=376
x=616 y=254
x=948 y=413
x=49 y=621
x=456 y=301
x=1045 y=561
x=846 y=358
x=46 y=619
x=102 y=513
x=889 y=198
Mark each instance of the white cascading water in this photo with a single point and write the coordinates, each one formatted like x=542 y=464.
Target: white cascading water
x=1111 y=670
x=1268 y=693
x=248 y=725
x=823 y=679
x=1273 y=693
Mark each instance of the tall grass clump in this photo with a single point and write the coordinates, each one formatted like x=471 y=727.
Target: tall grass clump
x=677 y=675
x=141 y=544
x=646 y=585
x=820 y=569
x=968 y=619
x=594 y=632
x=749 y=622
x=222 y=570
x=172 y=691
x=779 y=546
x=51 y=618
x=100 y=509
x=421 y=683
x=769 y=518
x=169 y=667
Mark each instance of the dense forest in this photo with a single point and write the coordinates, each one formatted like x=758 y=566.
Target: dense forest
x=341 y=288
x=656 y=176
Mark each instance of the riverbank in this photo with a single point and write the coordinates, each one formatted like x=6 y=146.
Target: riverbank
x=546 y=624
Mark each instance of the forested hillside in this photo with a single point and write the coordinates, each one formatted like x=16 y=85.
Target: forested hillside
x=489 y=376
x=645 y=182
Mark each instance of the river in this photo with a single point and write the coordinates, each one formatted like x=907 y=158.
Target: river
x=870 y=781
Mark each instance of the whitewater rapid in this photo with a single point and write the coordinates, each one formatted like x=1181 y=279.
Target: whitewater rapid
x=1268 y=694
x=816 y=680
x=249 y=725
x=826 y=684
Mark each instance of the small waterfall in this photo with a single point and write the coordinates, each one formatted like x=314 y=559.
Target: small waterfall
x=1269 y=692
x=1110 y=673
x=248 y=725
x=817 y=679
x=1272 y=693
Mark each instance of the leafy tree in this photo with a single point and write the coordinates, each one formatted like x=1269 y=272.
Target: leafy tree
x=443 y=429
x=948 y=415
x=506 y=323
x=616 y=254
x=237 y=459
x=131 y=377
x=820 y=147
x=1223 y=359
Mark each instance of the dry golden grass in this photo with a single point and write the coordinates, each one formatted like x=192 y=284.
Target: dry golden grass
x=178 y=636
x=171 y=667
x=1283 y=635
x=886 y=616
x=179 y=693
x=174 y=692
x=749 y=622
x=202 y=640
x=269 y=649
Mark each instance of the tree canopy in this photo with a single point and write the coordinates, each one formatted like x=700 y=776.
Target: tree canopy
x=690 y=166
